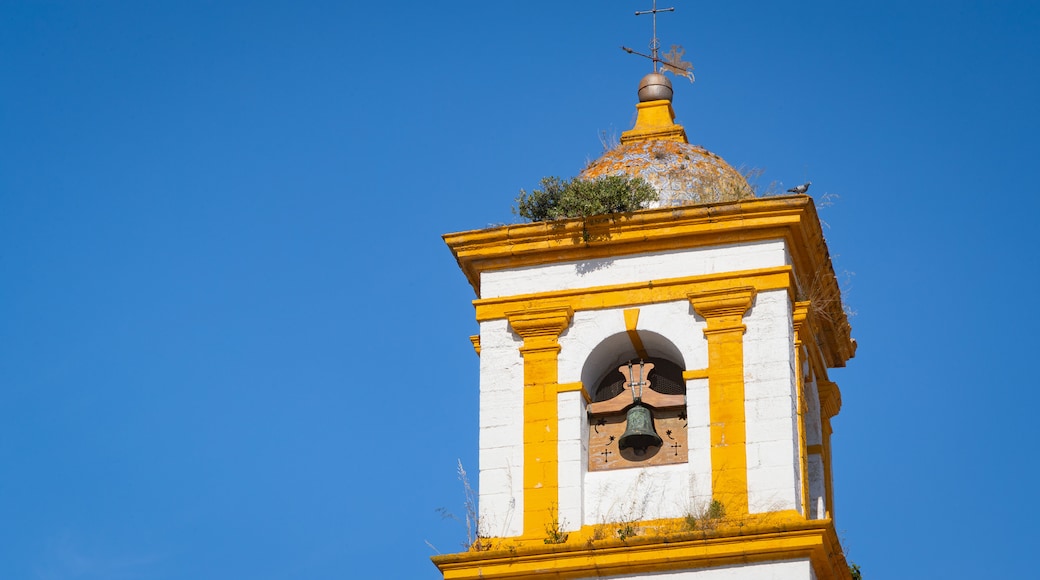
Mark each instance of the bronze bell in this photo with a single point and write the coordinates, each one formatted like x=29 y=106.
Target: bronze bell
x=639 y=432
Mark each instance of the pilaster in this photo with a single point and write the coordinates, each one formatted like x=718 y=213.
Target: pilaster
x=724 y=310
x=540 y=329
x=800 y=318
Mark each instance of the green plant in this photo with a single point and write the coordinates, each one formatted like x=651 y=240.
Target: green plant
x=854 y=570
x=691 y=522
x=707 y=518
x=626 y=531
x=553 y=532
x=716 y=510
x=559 y=199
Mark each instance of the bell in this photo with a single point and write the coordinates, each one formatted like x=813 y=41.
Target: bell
x=639 y=432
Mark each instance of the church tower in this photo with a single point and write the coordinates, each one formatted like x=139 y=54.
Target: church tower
x=654 y=399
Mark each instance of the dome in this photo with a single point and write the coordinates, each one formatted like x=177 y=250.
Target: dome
x=657 y=150
x=682 y=174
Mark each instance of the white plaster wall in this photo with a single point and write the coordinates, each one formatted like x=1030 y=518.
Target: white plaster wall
x=783 y=570
x=699 y=442
x=817 y=502
x=635 y=494
x=813 y=424
x=573 y=450
x=588 y=329
x=638 y=268
x=770 y=399
x=501 y=453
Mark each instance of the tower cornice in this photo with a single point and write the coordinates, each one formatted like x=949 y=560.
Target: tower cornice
x=790 y=218
x=752 y=542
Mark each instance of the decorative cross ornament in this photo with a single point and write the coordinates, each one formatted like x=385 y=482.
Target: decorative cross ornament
x=655 y=44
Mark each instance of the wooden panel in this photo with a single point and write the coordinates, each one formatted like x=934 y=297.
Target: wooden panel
x=606 y=430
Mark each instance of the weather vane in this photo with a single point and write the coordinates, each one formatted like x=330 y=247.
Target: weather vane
x=672 y=60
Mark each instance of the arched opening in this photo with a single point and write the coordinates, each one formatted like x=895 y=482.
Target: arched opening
x=636 y=399
x=617 y=349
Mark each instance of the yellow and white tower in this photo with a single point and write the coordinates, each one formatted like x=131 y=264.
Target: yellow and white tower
x=654 y=398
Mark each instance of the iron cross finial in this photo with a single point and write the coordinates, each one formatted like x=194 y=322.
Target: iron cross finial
x=655 y=44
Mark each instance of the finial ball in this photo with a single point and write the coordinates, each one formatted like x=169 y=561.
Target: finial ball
x=655 y=87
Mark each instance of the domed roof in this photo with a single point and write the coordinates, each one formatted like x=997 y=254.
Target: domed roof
x=657 y=150
x=682 y=174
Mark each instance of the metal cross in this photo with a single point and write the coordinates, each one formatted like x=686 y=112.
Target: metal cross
x=654 y=42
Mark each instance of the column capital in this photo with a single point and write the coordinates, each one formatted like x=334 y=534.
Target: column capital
x=830 y=398
x=540 y=323
x=801 y=315
x=723 y=309
x=725 y=302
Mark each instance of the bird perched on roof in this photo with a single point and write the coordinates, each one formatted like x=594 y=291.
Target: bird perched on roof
x=801 y=188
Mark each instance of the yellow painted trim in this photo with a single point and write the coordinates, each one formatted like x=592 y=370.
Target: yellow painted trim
x=540 y=328
x=724 y=310
x=571 y=387
x=655 y=120
x=475 y=339
x=828 y=481
x=830 y=398
x=695 y=374
x=814 y=449
x=638 y=293
x=813 y=540
x=792 y=219
x=800 y=315
x=631 y=321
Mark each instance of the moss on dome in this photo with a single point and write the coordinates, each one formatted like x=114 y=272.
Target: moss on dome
x=682 y=174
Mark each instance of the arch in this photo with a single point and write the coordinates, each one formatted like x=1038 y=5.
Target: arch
x=617 y=349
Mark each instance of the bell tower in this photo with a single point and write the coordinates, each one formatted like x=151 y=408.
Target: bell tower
x=654 y=398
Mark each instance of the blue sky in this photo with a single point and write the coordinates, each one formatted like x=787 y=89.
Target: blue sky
x=233 y=345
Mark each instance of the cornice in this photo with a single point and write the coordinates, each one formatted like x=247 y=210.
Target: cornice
x=623 y=234
x=790 y=218
x=814 y=540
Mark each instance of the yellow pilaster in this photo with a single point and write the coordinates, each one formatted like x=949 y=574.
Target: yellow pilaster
x=800 y=317
x=724 y=312
x=540 y=329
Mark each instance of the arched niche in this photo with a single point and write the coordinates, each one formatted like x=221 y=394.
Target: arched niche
x=617 y=349
x=660 y=408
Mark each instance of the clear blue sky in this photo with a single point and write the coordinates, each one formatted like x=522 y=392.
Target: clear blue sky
x=215 y=215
